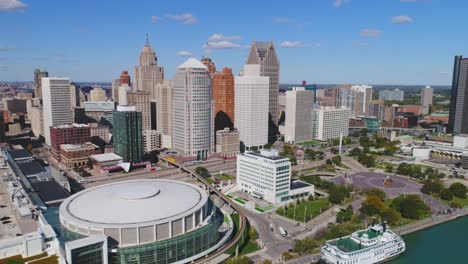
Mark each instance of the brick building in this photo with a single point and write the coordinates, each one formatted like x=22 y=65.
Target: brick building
x=72 y=155
x=68 y=134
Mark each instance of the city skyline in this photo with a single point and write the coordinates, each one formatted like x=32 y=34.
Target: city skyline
x=310 y=40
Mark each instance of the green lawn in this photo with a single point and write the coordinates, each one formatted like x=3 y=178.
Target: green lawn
x=310 y=142
x=250 y=247
x=462 y=202
x=209 y=180
x=240 y=200
x=314 y=208
x=223 y=176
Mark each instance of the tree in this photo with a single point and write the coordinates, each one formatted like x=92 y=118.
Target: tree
x=345 y=215
x=305 y=245
x=446 y=194
x=355 y=152
x=280 y=211
x=458 y=189
x=238 y=260
x=202 y=171
x=266 y=261
x=329 y=161
x=253 y=234
x=388 y=167
x=373 y=205
x=412 y=207
x=288 y=150
x=390 y=215
x=336 y=160
x=286 y=255
x=338 y=194
x=432 y=187
x=311 y=197
x=377 y=192
x=347 y=141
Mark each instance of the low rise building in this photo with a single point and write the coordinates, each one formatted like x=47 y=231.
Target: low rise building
x=152 y=140
x=77 y=155
x=14 y=129
x=68 y=134
x=105 y=162
x=227 y=142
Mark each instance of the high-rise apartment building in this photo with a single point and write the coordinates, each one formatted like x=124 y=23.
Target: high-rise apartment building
x=458 y=118
x=141 y=101
x=152 y=140
x=223 y=97
x=97 y=95
x=35 y=116
x=192 y=122
x=127 y=133
x=264 y=175
x=426 y=98
x=164 y=107
x=38 y=75
x=122 y=94
x=264 y=54
x=356 y=98
x=298 y=124
x=56 y=104
x=148 y=73
x=251 y=106
x=115 y=90
x=329 y=122
x=392 y=95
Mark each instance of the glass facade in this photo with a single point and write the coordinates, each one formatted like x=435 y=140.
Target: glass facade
x=90 y=254
x=174 y=249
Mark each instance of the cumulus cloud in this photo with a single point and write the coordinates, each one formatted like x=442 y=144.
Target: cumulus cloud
x=281 y=20
x=184 y=53
x=298 y=44
x=339 y=3
x=187 y=18
x=12 y=5
x=223 y=44
x=220 y=37
x=370 y=33
x=402 y=20
x=155 y=19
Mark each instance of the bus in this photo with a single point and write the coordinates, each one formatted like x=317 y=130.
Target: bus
x=282 y=232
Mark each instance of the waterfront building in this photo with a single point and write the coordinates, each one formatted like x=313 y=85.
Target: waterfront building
x=141 y=101
x=193 y=121
x=264 y=54
x=458 y=117
x=330 y=122
x=227 y=142
x=68 y=134
x=127 y=132
x=223 y=97
x=37 y=85
x=298 y=125
x=56 y=104
x=251 y=106
x=97 y=95
x=164 y=107
x=148 y=73
x=392 y=95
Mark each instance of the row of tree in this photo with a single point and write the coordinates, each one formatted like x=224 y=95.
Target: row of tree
x=416 y=171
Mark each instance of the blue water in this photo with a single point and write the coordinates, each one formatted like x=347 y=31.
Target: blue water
x=446 y=243
x=52 y=217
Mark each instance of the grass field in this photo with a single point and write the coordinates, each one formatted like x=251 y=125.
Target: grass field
x=250 y=247
x=310 y=142
x=223 y=176
x=314 y=208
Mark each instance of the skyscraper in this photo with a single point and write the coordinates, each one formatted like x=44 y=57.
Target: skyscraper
x=251 y=106
x=426 y=98
x=223 y=97
x=298 y=125
x=56 y=104
x=74 y=95
x=128 y=139
x=192 y=117
x=164 y=107
x=141 y=101
x=264 y=53
x=125 y=78
x=148 y=73
x=458 y=117
x=97 y=95
x=38 y=75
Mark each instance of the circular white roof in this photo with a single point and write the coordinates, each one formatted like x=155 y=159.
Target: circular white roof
x=133 y=203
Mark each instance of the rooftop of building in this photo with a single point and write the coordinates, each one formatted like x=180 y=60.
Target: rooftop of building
x=192 y=63
x=75 y=147
x=105 y=157
x=19 y=154
x=297 y=184
x=271 y=154
x=31 y=168
x=50 y=191
x=74 y=125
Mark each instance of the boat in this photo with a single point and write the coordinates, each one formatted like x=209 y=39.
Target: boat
x=376 y=244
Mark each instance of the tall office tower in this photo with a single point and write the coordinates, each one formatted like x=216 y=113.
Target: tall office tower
x=75 y=95
x=426 y=98
x=38 y=75
x=264 y=53
x=299 y=104
x=97 y=95
x=127 y=133
x=56 y=104
x=164 y=107
x=192 y=114
x=122 y=94
x=251 y=106
x=223 y=97
x=141 y=101
x=458 y=117
x=330 y=122
x=148 y=73
x=210 y=64
x=115 y=90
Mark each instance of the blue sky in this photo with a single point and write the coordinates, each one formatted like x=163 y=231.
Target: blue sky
x=321 y=41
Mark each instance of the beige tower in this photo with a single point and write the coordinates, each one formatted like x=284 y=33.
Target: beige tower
x=97 y=95
x=141 y=101
x=164 y=107
x=148 y=73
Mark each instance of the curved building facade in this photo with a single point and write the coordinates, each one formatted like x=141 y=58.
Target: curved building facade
x=146 y=221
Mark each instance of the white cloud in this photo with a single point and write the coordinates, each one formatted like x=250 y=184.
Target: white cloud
x=223 y=44
x=370 y=33
x=402 y=20
x=184 y=53
x=187 y=18
x=155 y=19
x=339 y=3
x=220 y=37
x=298 y=44
x=281 y=20
x=12 y=5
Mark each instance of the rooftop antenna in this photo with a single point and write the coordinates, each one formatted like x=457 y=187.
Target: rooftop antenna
x=147 y=38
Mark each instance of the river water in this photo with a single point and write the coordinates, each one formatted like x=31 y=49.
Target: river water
x=446 y=243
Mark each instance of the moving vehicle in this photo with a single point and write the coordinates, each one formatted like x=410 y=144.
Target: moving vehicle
x=282 y=232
